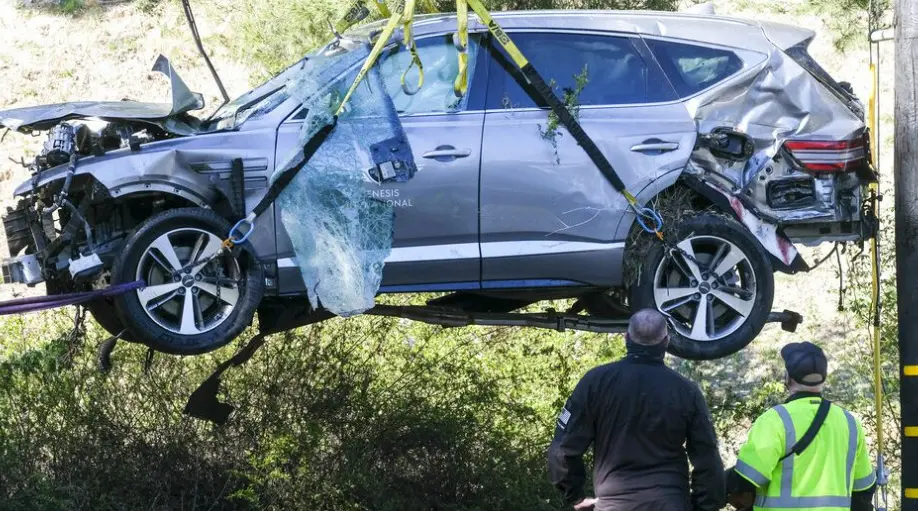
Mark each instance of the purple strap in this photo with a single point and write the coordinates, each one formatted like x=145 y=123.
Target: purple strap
x=38 y=303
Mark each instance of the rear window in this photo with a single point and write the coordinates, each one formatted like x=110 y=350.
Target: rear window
x=694 y=68
x=806 y=61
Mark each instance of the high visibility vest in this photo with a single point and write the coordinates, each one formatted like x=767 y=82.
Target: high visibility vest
x=823 y=476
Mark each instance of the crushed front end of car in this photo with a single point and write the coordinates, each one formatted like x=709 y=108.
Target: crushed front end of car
x=61 y=229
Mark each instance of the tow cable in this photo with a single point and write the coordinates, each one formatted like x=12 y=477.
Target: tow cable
x=39 y=303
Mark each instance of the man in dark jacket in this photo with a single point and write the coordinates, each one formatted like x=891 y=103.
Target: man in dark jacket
x=645 y=422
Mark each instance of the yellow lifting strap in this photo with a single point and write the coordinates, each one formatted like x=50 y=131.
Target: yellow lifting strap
x=461 y=41
x=408 y=16
x=381 y=42
x=383 y=9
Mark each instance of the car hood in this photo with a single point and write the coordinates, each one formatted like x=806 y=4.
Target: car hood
x=172 y=117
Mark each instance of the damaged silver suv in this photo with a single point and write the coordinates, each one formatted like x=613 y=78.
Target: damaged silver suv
x=726 y=127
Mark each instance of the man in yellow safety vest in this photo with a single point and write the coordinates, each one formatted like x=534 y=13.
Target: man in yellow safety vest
x=806 y=453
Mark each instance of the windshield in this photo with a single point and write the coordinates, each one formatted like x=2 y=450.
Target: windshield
x=267 y=96
x=273 y=92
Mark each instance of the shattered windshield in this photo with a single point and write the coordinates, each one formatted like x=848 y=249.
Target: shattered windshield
x=267 y=96
x=341 y=235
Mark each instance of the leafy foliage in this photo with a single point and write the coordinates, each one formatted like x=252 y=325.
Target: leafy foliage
x=850 y=20
x=571 y=101
x=365 y=413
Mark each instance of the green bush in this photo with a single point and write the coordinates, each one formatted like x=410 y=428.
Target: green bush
x=365 y=413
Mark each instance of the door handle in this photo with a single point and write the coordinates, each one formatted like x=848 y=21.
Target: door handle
x=447 y=151
x=655 y=145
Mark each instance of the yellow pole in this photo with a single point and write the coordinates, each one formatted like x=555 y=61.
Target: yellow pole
x=874 y=188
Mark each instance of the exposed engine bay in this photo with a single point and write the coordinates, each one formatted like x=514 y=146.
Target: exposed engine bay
x=44 y=224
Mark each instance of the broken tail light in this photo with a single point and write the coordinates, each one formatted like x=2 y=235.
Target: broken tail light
x=830 y=155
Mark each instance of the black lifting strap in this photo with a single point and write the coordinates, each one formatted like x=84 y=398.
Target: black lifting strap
x=535 y=87
x=813 y=430
x=287 y=176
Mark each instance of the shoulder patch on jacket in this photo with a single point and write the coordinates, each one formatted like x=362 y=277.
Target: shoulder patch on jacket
x=564 y=417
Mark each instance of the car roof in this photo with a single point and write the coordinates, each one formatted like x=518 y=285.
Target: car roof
x=705 y=28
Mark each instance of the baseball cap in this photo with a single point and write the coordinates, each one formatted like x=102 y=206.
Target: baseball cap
x=805 y=362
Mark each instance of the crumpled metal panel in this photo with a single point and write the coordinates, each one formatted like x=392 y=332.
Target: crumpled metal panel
x=340 y=234
x=780 y=100
x=161 y=114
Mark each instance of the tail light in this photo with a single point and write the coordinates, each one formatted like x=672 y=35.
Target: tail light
x=830 y=155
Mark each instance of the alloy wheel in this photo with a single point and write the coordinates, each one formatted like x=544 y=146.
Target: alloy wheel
x=193 y=301
x=709 y=291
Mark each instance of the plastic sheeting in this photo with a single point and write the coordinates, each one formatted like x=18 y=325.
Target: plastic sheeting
x=340 y=234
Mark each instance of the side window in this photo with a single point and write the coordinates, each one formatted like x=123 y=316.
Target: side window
x=441 y=67
x=694 y=68
x=610 y=69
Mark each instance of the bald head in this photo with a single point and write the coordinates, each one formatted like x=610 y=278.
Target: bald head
x=647 y=327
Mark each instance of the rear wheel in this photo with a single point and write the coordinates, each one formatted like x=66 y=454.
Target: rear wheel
x=186 y=311
x=717 y=289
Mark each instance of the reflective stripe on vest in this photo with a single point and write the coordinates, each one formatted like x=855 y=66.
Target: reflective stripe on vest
x=786 y=500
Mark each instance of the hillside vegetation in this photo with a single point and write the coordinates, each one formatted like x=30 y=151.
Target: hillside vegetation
x=365 y=413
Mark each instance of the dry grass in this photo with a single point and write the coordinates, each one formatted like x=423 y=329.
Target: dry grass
x=104 y=53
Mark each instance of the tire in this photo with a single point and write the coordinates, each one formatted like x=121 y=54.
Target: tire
x=740 y=297
x=223 y=293
x=102 y=310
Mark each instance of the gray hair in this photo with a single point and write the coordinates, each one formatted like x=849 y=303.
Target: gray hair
x=647 y=327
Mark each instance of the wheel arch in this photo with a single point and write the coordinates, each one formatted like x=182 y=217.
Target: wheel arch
x=701 y=196
x=177 y=197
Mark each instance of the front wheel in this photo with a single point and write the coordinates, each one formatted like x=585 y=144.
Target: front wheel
x=192 y=311
x=716 y=288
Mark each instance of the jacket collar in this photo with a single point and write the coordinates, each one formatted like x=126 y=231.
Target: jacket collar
x=641 y=354
x=801 y=395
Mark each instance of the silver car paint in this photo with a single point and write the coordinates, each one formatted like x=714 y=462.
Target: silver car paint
x=556 y=235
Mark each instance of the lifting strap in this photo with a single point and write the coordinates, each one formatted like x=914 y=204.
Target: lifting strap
x=527 y=76
x=408 y=39
x=461 y=41
x=821 y=413
x=39 y=303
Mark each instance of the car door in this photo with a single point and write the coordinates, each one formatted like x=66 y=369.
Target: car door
x=435 y=244
x=548 y=216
